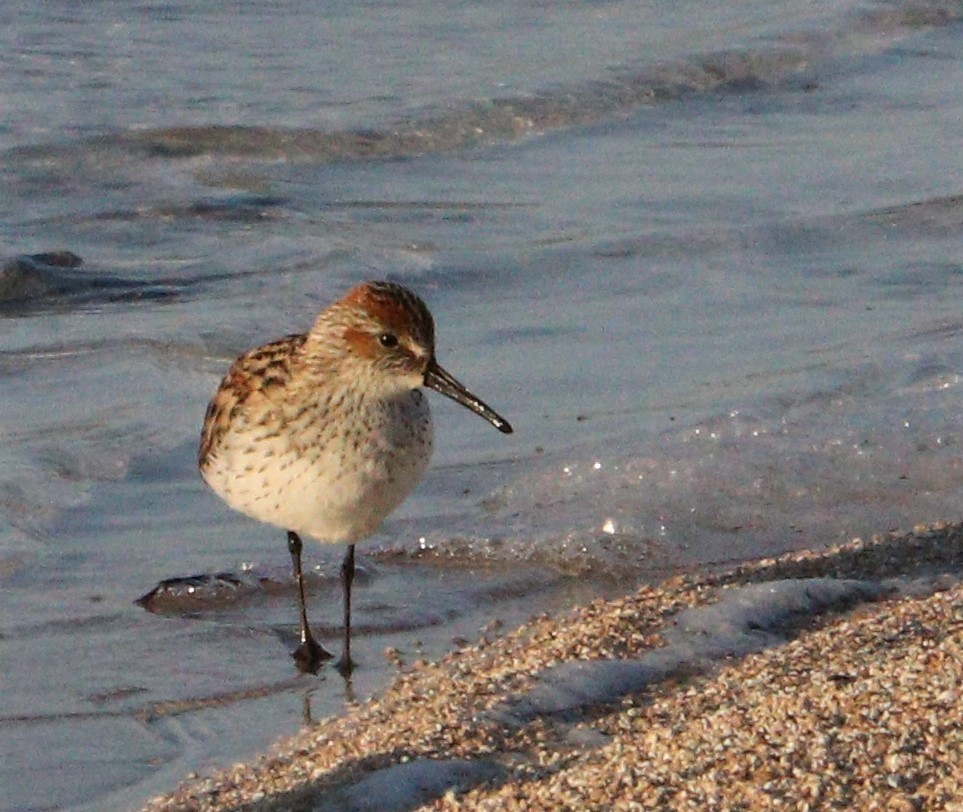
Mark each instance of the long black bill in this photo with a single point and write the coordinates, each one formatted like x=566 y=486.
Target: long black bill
x=438 y=379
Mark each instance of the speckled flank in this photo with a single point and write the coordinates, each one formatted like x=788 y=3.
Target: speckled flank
x=255 y=374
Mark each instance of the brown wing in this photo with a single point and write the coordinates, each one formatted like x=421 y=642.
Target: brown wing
x=255 y=373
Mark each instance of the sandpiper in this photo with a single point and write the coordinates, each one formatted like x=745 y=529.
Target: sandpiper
x=324 y=433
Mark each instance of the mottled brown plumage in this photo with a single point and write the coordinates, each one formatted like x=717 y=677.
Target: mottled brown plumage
x=254 y=375
x=325 y=433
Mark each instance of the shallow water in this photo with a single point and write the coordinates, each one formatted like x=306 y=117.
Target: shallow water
x=705 y=259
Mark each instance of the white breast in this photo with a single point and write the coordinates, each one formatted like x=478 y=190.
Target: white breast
x=332 y=476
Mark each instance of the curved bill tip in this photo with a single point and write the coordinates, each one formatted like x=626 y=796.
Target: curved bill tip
x=441 y=381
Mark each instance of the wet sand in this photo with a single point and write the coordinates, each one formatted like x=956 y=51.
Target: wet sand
x=850 y=698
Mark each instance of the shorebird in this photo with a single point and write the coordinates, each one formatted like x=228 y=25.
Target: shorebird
x=324 y=433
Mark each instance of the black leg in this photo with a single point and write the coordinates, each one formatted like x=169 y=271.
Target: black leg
x=346 y=664
x=309 y=655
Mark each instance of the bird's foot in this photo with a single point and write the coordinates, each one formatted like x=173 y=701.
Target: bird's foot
x=345 y=666
x=309 y=656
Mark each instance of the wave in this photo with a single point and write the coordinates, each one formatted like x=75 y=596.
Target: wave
x=790 y=62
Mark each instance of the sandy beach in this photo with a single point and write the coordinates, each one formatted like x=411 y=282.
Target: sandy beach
x=823 y=680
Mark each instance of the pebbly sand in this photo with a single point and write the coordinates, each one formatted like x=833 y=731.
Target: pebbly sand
x=816 y=681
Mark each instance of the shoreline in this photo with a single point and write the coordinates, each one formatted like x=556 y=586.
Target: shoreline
x=816 y=680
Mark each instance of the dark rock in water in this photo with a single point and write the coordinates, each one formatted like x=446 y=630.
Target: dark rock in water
x=30 y=276
x=32 y=279
x=195 y=593
x=58 y=259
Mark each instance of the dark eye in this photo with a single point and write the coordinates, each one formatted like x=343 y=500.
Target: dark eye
x=388 y=340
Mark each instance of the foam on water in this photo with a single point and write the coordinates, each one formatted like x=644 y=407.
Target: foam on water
x=744 y=620
x=401 y=786
x=879 y=445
